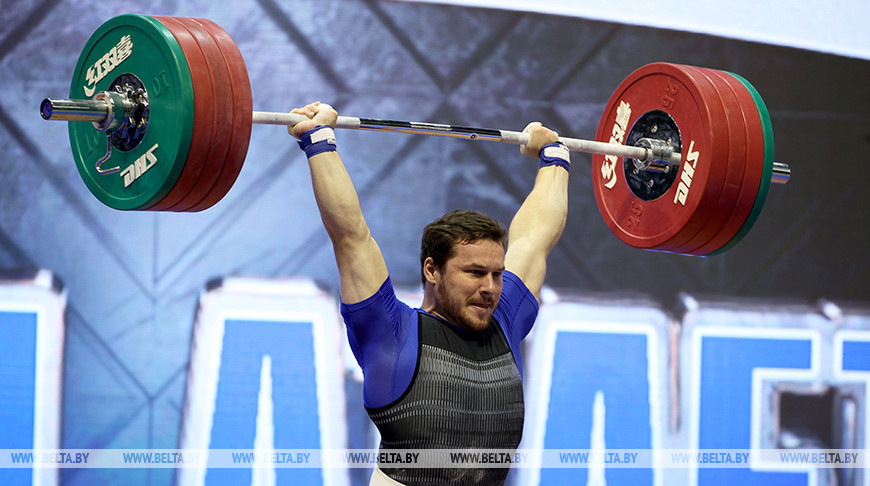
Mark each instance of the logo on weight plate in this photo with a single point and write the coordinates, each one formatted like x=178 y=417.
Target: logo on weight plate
x=687 y=175
x=110 y=60
x=617 y=136
x=139 y=167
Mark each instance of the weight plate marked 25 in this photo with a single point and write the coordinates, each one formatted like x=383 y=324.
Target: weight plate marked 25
x=651 y=224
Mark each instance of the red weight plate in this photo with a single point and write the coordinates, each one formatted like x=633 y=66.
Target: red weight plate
x=681 y=211
x=222 y=106
x=242 y=115
x=720 y=161
x=735 y=159
x=753 y=172
x=203 y=118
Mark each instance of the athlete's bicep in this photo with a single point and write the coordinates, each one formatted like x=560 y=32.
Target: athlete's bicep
x=361 y=268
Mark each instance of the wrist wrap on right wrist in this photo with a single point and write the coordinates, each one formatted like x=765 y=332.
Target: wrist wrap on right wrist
x=318 y=140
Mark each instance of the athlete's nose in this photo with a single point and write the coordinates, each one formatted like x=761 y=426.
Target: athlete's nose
x=488 y=286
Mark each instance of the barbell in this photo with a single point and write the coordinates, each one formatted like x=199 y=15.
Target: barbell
x=682 y=161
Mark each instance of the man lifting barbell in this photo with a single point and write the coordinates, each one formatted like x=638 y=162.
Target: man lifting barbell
x=447 y=375
x=682 y=163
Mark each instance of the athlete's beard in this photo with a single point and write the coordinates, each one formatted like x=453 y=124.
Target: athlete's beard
x=457 y=312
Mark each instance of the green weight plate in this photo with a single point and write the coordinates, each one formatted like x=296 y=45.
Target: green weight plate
x=763 y=189
x=138 y=177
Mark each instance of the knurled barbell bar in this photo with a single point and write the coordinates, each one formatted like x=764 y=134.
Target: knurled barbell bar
x=682 y=160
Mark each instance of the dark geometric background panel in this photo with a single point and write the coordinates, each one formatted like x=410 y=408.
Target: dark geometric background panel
x=133 y=279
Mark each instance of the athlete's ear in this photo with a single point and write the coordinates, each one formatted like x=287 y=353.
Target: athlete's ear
x=430 y=270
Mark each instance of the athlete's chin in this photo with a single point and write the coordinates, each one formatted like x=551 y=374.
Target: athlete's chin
x=476 y=321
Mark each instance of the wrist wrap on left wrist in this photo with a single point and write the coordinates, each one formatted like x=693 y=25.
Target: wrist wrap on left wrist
x=556 y=153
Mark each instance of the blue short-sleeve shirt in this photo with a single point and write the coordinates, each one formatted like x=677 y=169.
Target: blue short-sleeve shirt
x=383 y=335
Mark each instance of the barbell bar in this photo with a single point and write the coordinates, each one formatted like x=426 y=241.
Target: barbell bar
x=101 y=112
x=161 y=114
x=98 y=111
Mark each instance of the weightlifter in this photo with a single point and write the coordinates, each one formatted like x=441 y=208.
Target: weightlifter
x=447 y=375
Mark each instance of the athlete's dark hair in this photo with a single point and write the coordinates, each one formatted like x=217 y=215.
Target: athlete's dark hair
x=457 y=227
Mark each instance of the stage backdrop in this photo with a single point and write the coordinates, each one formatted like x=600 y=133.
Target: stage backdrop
x=131 y=285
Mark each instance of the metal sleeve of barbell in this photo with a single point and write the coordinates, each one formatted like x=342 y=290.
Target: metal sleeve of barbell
x=93 y=110
x=781 y=173
x=468 y=133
